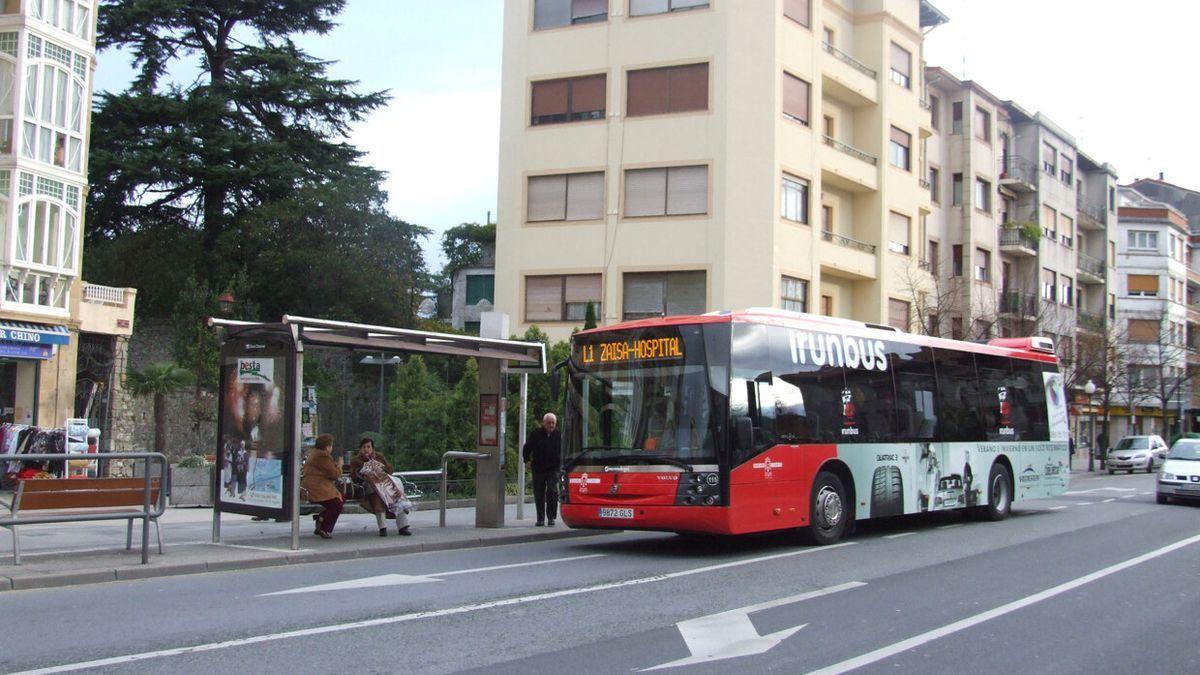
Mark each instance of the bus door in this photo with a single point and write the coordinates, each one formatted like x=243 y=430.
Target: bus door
x=923 y=462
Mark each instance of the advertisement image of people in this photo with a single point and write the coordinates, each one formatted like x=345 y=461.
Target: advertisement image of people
x=1056 y=404
x=253 y=431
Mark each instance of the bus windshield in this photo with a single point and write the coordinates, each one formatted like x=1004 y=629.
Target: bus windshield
x=639 y=398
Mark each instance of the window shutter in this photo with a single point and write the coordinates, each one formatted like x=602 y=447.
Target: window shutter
x=898 y=314
x=898 y=227
x=1143 y=330
x=587 y=94
x=647 y=93
x=551 y=13
x=645 y=192
x=584 y=8
x=688 y=4
x=901 y=137
x=687 y=190
x=795 y=97
x=1143 y=283
x=643 y=295
x=901 y=60
x=685 y=293
x=543 y=298
x=644 y=7
x=547 y=198
x=585 y=196
x=689 y=88
x=549 y=98
x=797 y=10
x=583 y=288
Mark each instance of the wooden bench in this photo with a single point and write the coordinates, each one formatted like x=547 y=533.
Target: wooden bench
x=86 y=499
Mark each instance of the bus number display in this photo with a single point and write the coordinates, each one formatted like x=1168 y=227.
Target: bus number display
x=624 y=351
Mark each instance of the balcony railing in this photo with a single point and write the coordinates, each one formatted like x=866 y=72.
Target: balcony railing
x=1092 y=211
x=851 y=61
x=1018 y=169
x=851 y=150
x=103 y=295
x=1018 y=302
x=848 y=242
x=1090 y=265
x=926 y=265
x=1014 y=237
x=1089 y=321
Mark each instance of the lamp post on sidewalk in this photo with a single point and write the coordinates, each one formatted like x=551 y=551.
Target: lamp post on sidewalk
x=1090 y=388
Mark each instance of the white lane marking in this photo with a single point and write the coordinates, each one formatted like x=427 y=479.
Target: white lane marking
x=950 y=526
x=1146 y=493
x=1128 y=496
x=1111 y=499
x=730 y=634
x=415 y=616
x=403 y=579
x=937 y=633
x=258 y=548
x=1110 y=489
x=897 y=536
x=1056 y=508
x=1084 y=503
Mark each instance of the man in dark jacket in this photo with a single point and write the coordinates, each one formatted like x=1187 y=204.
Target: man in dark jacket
x=543 y=449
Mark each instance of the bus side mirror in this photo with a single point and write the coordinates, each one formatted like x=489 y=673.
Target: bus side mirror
x=743 y=430
x=554 y=380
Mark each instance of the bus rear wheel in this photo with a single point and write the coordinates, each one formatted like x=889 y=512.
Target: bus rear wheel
x=828 y=510
x=999 y=494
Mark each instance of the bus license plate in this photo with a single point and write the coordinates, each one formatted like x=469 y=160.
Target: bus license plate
x=626 y=514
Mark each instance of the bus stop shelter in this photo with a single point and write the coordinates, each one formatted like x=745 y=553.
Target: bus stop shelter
x=262 y=369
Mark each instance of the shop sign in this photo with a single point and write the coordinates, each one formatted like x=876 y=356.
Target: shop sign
x=25 y=351
x=35 y=337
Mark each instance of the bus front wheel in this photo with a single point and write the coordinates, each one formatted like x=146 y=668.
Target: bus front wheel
x=999 y=488
x=828 y=510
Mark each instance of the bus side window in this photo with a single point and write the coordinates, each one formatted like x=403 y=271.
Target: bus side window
x=958 y=394
x=751 y=393
x=808 y=396
x=913 y=373
x=996 y=407
x=873 y=396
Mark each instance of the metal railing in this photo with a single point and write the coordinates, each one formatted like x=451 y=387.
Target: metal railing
x=1091 y=211
x=851 y=61
x=851 y=150
x=1014 y=237
x=146 y=513
x=1018 y=302
x=1017 y=168
x=848 y=242
x=925 y=265
x=1092 y=266
x=1090 y=321
x=103 y=295
x=446 y=457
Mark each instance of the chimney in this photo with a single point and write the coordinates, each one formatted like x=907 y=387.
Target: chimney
x=1160 y=175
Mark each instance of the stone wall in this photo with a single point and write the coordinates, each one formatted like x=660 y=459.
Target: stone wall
x=191 y=415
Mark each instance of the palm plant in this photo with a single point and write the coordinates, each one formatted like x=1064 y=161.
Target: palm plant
x=158 y=380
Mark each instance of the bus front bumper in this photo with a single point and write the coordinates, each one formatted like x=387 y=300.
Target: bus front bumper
x=700 y=519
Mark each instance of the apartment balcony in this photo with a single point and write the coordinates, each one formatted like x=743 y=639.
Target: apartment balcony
x=846 y=78
x=1018 y=303
x=106 y=310
x=1193 y=277
x=847 y=257
x=1193 y=314
x=1091 y=217
x=1090 y=270
x=847 y=167
x=1092 y=323
x=1018 y=174
x=1015 y=242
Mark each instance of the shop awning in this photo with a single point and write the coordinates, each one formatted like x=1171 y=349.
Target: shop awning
x=34 y=333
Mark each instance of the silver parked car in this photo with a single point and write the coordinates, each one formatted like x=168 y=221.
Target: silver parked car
x=1137 y=453
x=1180 y=477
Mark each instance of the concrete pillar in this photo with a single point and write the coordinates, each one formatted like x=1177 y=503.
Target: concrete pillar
x=489 y=473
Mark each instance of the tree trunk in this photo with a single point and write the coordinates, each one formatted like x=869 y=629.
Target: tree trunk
x=160 y=422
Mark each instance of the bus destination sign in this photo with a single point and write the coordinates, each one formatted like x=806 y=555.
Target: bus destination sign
x=627 y=351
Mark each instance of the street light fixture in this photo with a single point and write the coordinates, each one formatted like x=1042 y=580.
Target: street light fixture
x=383 y=361
x=226 y=302
x=1090 y=389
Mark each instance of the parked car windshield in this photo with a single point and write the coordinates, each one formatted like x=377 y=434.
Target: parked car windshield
x=1185 y=450
x=1133 y=443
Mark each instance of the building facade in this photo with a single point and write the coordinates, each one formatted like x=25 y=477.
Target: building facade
x=666 y=157
x=473 y=292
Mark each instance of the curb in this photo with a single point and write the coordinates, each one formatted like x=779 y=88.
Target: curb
x=82 y=577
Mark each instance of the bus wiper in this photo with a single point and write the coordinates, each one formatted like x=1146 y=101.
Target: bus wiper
x=588 y=449
x=657 y=458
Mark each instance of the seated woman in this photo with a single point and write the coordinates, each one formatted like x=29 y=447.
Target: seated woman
x=319 y=480
x=374 y=472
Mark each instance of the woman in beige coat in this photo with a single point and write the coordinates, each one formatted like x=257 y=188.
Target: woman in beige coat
x=319 y=480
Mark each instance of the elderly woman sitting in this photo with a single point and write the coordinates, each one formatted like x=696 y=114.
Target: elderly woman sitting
x=384 y=494
x=319 y=480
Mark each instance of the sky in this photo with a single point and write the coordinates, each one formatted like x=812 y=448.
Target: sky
x=1118 y=80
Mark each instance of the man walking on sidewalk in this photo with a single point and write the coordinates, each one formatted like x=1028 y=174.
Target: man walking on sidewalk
x=543 y=449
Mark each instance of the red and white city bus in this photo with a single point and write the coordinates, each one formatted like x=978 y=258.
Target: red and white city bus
x=738 y=422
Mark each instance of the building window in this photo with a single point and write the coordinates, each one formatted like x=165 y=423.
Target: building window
x=935 y=176
x=956 y=114
x=1049 y=284
x=983 y=195
x=656 y=91
x=1068 y=170
x=983 y=125
x=1049 y=159
x=898 y=148
x=799 y=11
x=1049 y=222
x=956 y=328
x=645 y=7
x=982 y=329
x=1066 y=288
x=983 y=265
x=1112 y=199
x=933 y=257
x=956 y=260
x=72 y=16
x=898 y=314
x=828 y=36
x=573 y=196
x=795 y=98
x=561 y=297
x=1142 y=285
x=793 y=294
x=1141 y=240
x=793 y=194
x=471 y=327
x=481 y=287
x=568 y=100
x=56 y=101
x=663 y=294
x=898 y=232
x=670 y=191
x=956 y=189
x=901 y=71
x=934 y=115
x=1112 y=305
x=1066 y=230
x=558 y=13
x=1143 y=330
x=826 y=218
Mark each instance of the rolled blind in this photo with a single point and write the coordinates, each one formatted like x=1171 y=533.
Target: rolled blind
x=585 y=8
x=688 y=88
x=901 y=137
x=1143 y=330
x=898 y=314
x=587 y=93
x=643 y=295
x=551 y=13
x=647 y=93
x=550 y=98
x=547 y=198
x=898 y=226
x=645 y=192
x=1050 y=216
x=643 y=7
x=585 y=196
x=901 y=60
x=1142 y=283
x=1067 y=226
x=795 y=97
x=685 y=293
x=583 y=288
x=687 y=190
x=797 y=10
x=1049 y=154
x=543 y=298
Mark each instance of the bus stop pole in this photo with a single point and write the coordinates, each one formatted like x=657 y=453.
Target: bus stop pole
x=297 y=435
x=521 y=446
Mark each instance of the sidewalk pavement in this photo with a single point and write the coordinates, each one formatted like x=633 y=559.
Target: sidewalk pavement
x=91 y=552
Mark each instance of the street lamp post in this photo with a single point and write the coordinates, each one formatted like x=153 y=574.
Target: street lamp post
x=1090 y=389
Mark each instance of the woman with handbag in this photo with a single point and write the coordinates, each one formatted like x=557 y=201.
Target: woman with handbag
x=319 y=479
x=384 y=493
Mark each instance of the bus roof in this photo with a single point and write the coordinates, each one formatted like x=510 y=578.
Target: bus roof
x=1033 y=348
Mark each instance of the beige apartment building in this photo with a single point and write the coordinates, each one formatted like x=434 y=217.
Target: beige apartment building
x=662 y=157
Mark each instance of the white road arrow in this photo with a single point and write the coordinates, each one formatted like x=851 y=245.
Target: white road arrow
x=731 y=634
x=1103 y=489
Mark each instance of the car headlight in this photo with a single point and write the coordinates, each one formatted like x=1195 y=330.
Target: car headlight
x=1141 y=455
x=1168 y=476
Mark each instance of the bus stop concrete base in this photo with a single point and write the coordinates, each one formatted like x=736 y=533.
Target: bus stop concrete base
x=87 y=553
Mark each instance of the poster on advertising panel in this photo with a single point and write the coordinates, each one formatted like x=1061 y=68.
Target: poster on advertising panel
x=1056 y=405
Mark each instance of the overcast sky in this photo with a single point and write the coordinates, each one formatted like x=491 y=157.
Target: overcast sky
x=1115 y=75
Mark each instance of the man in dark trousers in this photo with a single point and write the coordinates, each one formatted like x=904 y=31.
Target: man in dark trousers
x=543 y=449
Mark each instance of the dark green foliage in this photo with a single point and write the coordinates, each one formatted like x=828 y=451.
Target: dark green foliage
x=466 y=244
x=589 y=317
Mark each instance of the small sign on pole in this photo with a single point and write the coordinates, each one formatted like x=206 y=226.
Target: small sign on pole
x=489 y=419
